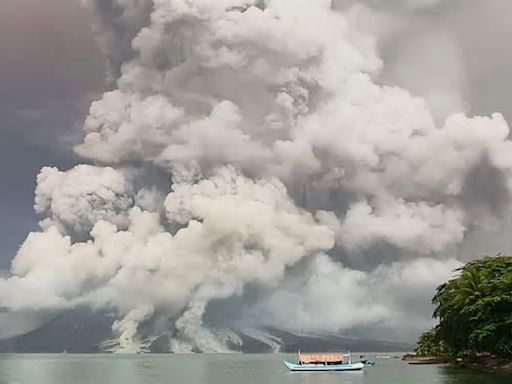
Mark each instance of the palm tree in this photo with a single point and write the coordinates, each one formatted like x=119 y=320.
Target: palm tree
x=469 y=289
x=475 y=309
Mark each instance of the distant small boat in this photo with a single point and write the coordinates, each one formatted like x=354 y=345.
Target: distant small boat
x=366 y=361
x=382 y=357
x=324 y=362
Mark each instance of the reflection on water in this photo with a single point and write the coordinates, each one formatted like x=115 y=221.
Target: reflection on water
x=215 y=369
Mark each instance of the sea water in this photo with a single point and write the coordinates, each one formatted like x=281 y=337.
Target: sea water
x=216 y=369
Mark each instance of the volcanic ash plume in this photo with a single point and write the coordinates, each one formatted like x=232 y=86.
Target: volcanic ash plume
x=250 y=174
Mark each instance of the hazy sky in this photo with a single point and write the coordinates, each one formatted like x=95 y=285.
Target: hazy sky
x=49 y=68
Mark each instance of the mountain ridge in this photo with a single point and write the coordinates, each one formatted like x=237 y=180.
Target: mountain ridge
x=84 y=331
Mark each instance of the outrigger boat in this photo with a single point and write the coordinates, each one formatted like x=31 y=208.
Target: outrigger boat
x=324 y=362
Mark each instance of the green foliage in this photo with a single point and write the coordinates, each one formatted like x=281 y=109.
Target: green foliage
x=475 y=308
x=430 y=344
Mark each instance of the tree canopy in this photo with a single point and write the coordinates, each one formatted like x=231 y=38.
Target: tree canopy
x=474 y=311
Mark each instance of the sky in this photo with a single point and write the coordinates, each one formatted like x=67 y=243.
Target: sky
x=327 y=150
x=50 y=69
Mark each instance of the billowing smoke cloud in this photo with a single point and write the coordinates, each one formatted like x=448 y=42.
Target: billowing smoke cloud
x=299 y=193
x=116 y=23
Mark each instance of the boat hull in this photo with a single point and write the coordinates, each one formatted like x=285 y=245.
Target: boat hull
x=323 y=368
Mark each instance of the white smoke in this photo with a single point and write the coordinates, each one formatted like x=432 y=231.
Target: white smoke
x=337 y=200
x=77 y=199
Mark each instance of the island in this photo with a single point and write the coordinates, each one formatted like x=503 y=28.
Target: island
x=474 y=311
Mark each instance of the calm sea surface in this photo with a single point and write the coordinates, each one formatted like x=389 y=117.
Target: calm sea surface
x=214 y=369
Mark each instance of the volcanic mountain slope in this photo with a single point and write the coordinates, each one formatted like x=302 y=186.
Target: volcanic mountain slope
x=85 y=331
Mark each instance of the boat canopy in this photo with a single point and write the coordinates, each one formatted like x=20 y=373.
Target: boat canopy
x=307 y=358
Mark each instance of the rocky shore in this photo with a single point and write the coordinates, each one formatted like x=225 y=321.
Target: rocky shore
x=499 y=365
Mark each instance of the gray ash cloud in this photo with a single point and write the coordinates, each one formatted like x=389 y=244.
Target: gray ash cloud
x=250 y=171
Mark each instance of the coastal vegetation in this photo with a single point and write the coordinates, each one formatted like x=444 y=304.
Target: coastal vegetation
x=474 y=311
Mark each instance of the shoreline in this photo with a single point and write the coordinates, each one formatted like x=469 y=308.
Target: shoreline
x=490 y=364
x=424 y=360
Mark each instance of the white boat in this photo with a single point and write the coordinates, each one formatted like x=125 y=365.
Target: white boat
x=324 y=362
